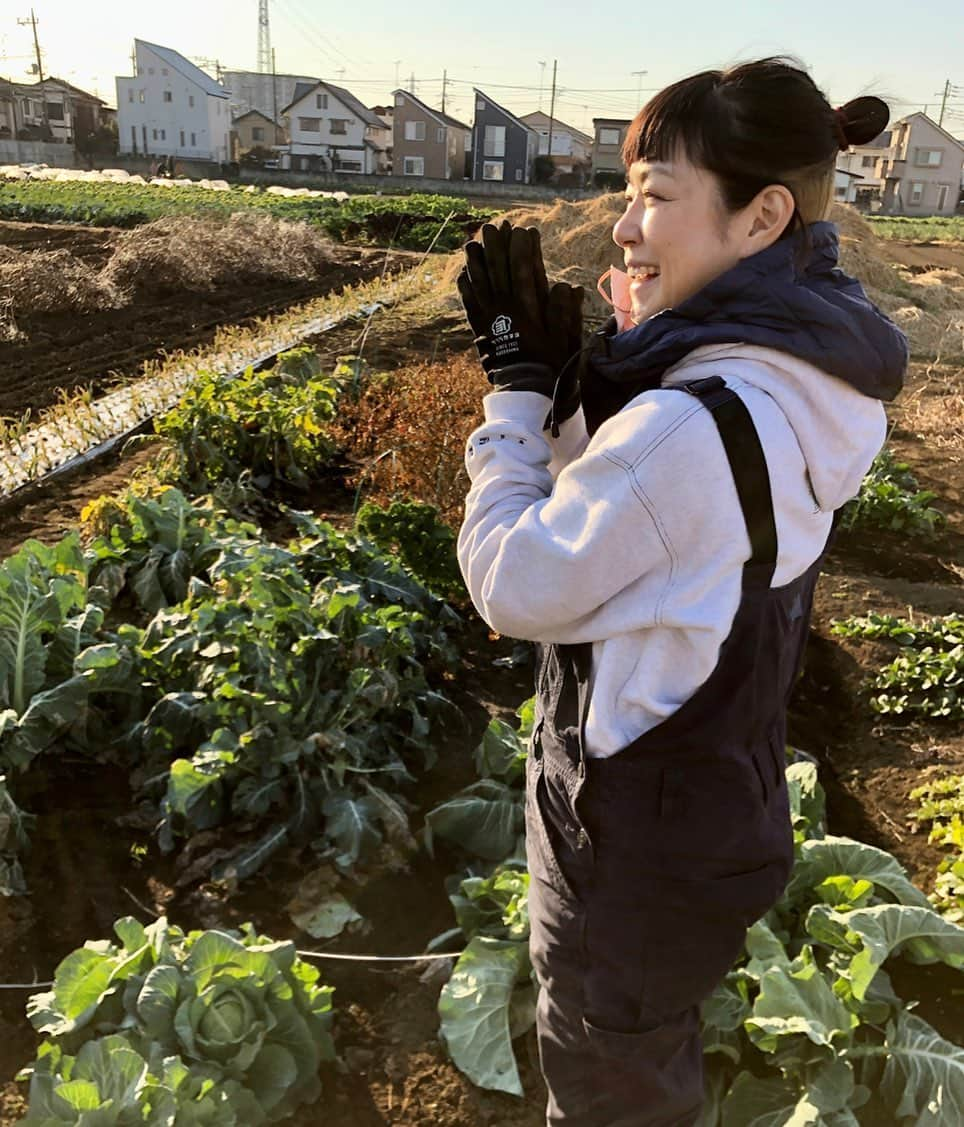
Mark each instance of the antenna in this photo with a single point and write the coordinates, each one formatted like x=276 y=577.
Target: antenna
x=264 y=38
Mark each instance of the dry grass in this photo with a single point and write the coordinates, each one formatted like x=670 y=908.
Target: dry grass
x=932 y=408
x=384 y=433
x=48 y=281
x=187 y=253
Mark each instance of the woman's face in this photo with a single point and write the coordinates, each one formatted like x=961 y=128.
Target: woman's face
x=675 y=234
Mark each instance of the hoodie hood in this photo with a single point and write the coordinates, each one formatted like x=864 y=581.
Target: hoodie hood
x=838 y=428
x=783 y=298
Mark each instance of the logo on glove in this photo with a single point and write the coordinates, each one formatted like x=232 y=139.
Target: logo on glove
x=501 y=325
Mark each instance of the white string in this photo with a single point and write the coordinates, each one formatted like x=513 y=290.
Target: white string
x=303 y=954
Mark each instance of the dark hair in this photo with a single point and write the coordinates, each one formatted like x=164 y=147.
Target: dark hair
x=760 y=123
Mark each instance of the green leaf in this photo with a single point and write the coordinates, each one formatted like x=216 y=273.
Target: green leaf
x=328 y=918
x=756 y=1102
x=485 y=818
x=798 y=1000
x=840 y=856
x=351 y=824
x=474 y=1009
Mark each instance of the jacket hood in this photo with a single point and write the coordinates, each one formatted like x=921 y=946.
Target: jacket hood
x=790 y=297
x=838 y=428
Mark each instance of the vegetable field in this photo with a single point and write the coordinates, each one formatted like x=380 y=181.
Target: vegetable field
x=248 y=719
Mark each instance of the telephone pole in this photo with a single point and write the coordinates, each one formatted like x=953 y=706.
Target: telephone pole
x=947 y=90
x=552 y=106
x=40 y=70
x=638 y=75
x=274 y=92
x=445 y=82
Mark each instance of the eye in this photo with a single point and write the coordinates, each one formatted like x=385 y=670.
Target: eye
x=652 y=196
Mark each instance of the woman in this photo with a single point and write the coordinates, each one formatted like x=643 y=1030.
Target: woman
x=662 y=545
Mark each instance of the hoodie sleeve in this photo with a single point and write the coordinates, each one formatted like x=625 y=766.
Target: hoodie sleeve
x=541 y=556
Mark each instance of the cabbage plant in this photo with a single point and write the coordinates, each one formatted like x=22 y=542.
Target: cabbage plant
x=208 y=1027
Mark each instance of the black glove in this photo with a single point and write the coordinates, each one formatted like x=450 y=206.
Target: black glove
x=526 y=333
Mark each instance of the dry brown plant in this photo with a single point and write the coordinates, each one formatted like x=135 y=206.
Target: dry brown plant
x=194 y=254
x=37 y=282
x=405 y=434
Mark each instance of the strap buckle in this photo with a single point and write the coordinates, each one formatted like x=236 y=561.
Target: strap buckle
x=704 y=386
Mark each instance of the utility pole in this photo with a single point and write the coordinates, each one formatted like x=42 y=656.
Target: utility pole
x=552 y=106
x=638 y=75
x=133 y=61
x=274 y=91
x=947 y=90
x=445 y=82
x=40 y=70
x=411 y=83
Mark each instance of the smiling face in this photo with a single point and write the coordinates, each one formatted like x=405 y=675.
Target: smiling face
x=675 y=234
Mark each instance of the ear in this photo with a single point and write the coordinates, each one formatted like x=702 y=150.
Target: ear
x=768 y=215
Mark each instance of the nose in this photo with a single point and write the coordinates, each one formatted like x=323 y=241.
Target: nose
x=625 y=230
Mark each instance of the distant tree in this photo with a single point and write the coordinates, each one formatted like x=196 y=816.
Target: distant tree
x=543 y=169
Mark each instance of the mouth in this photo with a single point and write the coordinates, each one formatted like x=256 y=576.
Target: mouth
x=642 y=275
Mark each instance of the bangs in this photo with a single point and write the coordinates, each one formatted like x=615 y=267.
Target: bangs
x=677 y=118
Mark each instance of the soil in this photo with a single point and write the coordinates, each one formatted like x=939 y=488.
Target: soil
x=85 y=871
x=96 y=349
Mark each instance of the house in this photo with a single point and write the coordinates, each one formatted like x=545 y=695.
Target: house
x=921 y=171
x=255 y=130
x=862 y=160
x=503 y=146
x=266 y=93
x=170 y=107
x=8 y=110
x=845 y=185
x=331 y=131
x=427 y=142
x=55 y=110
x=571 y=149
x=607 y=147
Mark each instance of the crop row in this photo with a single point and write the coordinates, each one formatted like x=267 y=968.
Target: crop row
x=411 y=222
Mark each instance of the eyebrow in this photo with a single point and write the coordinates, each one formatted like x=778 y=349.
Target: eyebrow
x=655 y=168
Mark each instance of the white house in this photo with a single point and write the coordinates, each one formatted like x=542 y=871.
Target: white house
x=172 y=108
x=331 y=131
x=861 y=160
x=570 y=147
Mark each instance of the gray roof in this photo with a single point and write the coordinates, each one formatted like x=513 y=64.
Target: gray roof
x=445 y=118
x=508 y=113
x=346 y=97
x=187 y=69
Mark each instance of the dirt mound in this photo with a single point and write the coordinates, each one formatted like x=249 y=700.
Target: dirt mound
x=187 y=253
x=577 y=246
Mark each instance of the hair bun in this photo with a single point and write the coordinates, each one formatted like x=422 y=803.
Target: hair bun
x=862 y=119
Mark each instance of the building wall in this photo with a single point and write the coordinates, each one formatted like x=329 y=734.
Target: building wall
x=608 y=157
x=317 y=149
x=30 y=113
x=266 y=93
x=8 y=120
x=521 y=144
x=38 y=152
x=158 y=124
x=438 y=164
x=913 y=187
x=272 y=135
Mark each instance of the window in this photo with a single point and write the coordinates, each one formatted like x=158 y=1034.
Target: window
x=321 y=101
x=866 y=162
x=518 y=174
x=193 y=140
x=153 y=134
x=163 y=134
x=182 y=138
x=494 y=142
x=479 y=104
x=440 y=135
x=917 y=192
x=942 y=197
x=168 y=96
x=608 y=136
x=133 y=138
x=130 y=95
x=257 y=133
x=399 y=99
x=339 y=125
x=309 y=124
x=414 y=166
x=140 y=96
x=414 y=130
x=492 y=170
x=928 y=158
x=839 y=192
x=190 y=101
x=349 y=166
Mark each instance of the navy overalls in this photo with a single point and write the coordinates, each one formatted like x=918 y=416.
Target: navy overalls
x=648 y=866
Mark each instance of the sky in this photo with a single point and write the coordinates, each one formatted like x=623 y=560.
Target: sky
x=609 y=59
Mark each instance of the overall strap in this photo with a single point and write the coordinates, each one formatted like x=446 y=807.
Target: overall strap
x=750 y=474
